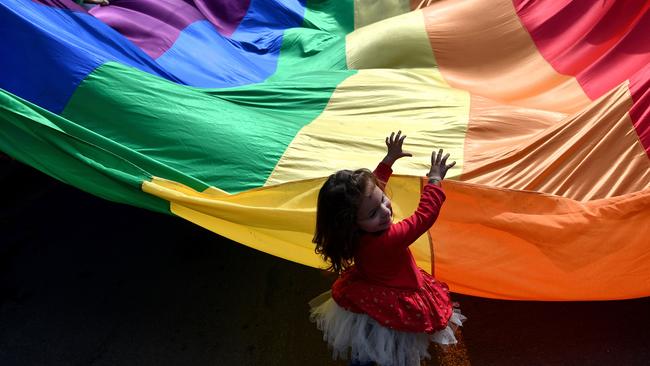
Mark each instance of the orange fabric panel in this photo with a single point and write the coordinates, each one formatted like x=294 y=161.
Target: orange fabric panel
x=507 y=244
x=588 y=155
x=507 y=68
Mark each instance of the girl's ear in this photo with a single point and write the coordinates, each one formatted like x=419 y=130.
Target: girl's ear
x=350 y=216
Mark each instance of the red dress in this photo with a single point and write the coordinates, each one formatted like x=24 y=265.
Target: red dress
x=385 y=282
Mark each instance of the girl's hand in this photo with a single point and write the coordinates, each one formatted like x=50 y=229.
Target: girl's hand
x=439 y=166
x=394 y=148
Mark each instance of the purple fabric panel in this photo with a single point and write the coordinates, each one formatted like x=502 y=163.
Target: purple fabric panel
x=153 y=25
x=62 y=4
x=225 y=15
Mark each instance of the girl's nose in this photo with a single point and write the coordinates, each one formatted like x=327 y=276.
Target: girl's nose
x=388 y=206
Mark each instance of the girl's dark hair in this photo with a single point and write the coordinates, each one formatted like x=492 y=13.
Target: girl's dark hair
x=337 y=234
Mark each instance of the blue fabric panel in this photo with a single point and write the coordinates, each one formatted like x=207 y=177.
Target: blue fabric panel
x=46 y=52
x=225 y=63
x=249 y=56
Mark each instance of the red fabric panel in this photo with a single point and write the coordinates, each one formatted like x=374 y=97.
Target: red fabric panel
x=601 y=43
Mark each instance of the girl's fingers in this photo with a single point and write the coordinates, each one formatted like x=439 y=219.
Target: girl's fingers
x=394 y=139
x=389 y=139
x=400 y=142
x=451 y=165
x=444 y=159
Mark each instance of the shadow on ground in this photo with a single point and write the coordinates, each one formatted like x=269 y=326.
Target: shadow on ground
x=84 y=281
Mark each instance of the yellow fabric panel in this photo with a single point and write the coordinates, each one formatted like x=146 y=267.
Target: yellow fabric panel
x=278 y=220
x=371 y=11
x=397 y=42
x=367 y=106
x=488 y=242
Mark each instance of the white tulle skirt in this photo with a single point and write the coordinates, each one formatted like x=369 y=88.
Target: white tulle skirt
x=361 y=338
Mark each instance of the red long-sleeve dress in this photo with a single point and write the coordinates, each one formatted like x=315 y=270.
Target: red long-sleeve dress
x=385 y=282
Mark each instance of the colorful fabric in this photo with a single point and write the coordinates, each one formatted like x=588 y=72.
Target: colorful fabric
x=231 y=114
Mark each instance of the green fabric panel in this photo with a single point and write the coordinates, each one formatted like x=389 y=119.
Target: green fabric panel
x=123 y=126
x=334 y=16
x=320 y=43
x=72 y=154
x=228 y=138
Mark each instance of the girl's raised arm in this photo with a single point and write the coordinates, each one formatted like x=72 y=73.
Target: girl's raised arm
x=407 y=231
x=394 y=151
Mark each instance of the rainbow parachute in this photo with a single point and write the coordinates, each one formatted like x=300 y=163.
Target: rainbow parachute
x=231 y=113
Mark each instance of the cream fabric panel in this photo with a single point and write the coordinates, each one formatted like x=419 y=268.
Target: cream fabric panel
x=367 y=106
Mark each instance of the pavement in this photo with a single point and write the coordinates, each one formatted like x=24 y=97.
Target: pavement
x=84 y=281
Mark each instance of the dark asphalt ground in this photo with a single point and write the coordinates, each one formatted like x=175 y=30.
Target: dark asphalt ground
x=88 y=282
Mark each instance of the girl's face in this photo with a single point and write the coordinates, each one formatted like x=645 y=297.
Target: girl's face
x=375 y=211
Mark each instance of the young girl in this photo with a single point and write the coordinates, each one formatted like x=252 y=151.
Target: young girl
x=382 y=309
